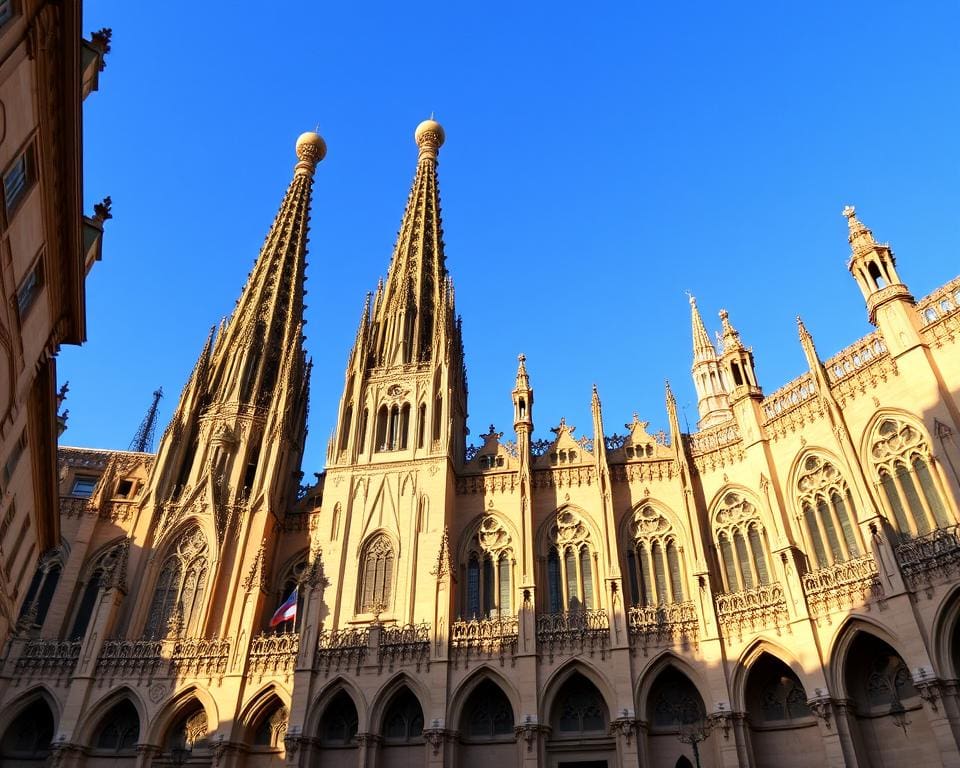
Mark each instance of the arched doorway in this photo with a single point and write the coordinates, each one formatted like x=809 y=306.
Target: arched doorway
x=779 y=719
x=338 y=729
x=579 y=722
x=486 y=729
x=26 y=742
x=674 y=703
x=266 y=734
x=402 y=731
x=188 y=737
x=115 y=739
x=888 y=712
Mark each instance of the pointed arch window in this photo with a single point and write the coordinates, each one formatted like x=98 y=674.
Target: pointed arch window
x=177 y=600
x=42 y=588
x=654 y=563
x=119 y=730
x=403 y=721
x=489 y=569
x=487 y=714
x=909 y=478
x=376 y=575
x=742 y=544
x=827 y=513
x=98 y=576
x=339 y=723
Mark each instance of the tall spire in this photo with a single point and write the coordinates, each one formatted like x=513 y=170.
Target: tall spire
x=860 y=237
x=406 y=314
x=703 y=348
x=143 y=440
x=264 y=325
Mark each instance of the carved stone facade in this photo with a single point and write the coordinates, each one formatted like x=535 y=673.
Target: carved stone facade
x=777 y=588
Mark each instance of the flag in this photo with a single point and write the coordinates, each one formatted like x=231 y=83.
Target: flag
x=287 y=610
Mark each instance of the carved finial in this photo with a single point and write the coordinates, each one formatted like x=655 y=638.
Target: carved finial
x=523 y=380
x=859 y=237
x=429 y=137
x=311 y=149
x=101 y=210
x=730 y=338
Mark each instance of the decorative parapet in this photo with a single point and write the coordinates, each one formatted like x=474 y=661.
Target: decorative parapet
x=409 y=644
x=48 y=658
x=338 y=648
x=484 y=638
x=643 y=472
x=117 y=511
x=669 y=623
x=563 y=477
x=940 y=314
x=751 y=610
x=856 y=357
x=713 y=439
x=200 y=657
x=574 y=631
x=842 y=585
x=935 y=555
x=131 y=658
x=504 y=482
x=75 y=506
x=273 y=653
x=791 y=406
x=860 y=367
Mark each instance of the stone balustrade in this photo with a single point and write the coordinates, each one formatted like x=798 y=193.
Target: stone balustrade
x=338 y=648
x=573 y=631
x=407 y=644
x=273 y=653
x=842 y=585
x=868 y=350
x=935 y=555
x=751 y=610
x=48 y=658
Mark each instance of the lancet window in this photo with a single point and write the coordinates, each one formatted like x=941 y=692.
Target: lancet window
x=654 y=564
x=392 y=427
x=909 y=479
x=376 y=575
x=742 y=544
x=42 y=587
x=489 y=569
x=827 y=515
x=177 y=600
x=570 y=565
x=99 y=574
x=120 y=730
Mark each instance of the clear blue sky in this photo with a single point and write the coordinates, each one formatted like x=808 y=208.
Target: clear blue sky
x=598 y=164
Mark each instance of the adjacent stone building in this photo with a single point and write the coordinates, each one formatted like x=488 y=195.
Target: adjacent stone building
x=47 y=247
x=777 y=588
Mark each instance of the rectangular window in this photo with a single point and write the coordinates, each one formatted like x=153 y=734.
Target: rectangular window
x=124 y=489
x=30 y=288
x=17 y=180
x=83 y=486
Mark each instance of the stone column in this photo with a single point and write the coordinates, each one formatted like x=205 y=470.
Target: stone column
x=627 y=732
x=936 y=712
x=368 y=750
x=729 y=741
x=846 y=731
x=532 y=743
x=440 y=743
x=822 y=709
x=146 y=754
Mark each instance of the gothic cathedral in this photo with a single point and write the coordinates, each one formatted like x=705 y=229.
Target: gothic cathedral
x=776 y=589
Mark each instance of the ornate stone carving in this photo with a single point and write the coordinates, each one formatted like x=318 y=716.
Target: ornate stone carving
x=530 y=732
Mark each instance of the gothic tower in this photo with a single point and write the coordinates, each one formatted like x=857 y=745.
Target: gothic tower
x=401 y=425
x=713 y=403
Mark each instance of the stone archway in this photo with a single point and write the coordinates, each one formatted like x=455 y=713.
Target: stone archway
x=337 y=731
x=26 y=741
x=888 y=715
x=579 y=722
x=673 y=703
x=783 y=730
x=486 y=729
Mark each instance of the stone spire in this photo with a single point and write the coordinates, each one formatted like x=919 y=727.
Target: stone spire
x=860 y=237
x=730 y=336
x=703 y=349
x=408 y=310
x=263 y=329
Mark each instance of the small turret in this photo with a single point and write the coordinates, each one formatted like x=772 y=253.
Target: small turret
x=713 y=404
x=522 y=398
x=890 y=306
x=737 y=361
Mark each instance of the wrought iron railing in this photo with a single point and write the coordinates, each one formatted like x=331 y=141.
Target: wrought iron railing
x=752 y=609
x=840 y=585
x=586 y=630
x=477 y=638
x=273 y=653
x=664 y=623
x=934 y=554
x=48 y=657
x=408 y=644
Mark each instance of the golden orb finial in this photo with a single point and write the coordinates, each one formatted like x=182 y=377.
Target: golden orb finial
x=311 y=149
x=429 y=137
